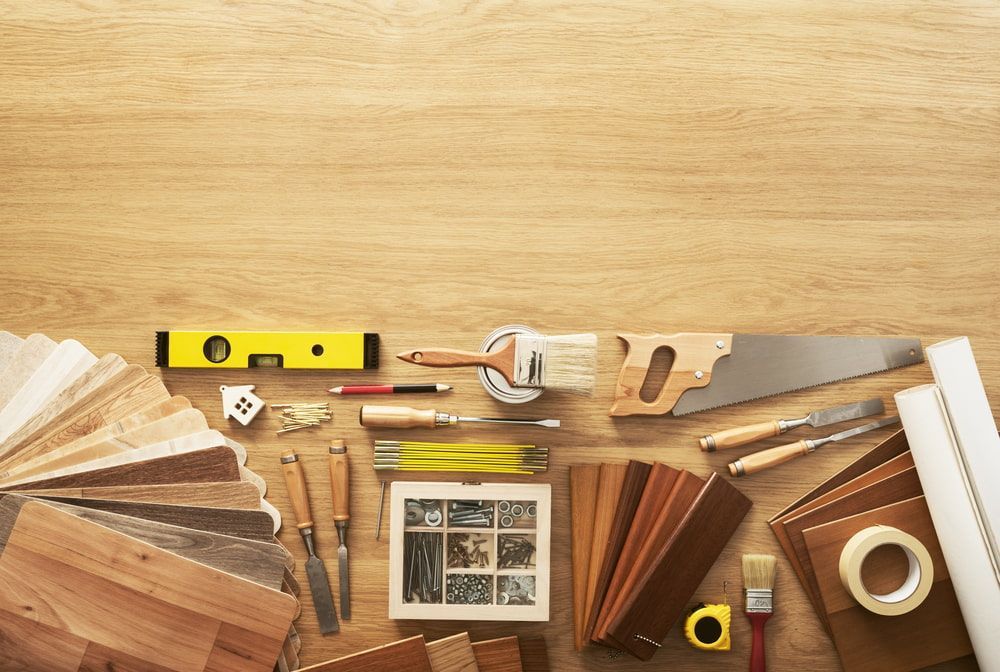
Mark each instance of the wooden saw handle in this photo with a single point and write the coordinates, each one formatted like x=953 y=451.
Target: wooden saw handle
x=295 y=481
x=340 y=480
x=397 y=417
x=765 y=459
x=739 y=436
x=693 y=353
x=501 y=361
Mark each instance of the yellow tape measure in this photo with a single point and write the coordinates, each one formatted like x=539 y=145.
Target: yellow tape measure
x=707 y=627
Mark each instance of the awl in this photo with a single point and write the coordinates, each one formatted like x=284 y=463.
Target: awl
x=740 y=436
x=340 y=484
x=765 y=459
x=403 y=417
x=319 y=583
x=718 y=369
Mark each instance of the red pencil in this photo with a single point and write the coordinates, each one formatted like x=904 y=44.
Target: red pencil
x=388 y=389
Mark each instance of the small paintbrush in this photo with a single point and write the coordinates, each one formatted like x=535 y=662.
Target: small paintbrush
x=555 y=362
x=758 y=583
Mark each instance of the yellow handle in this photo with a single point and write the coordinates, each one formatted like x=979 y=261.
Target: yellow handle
x=739 y=436
x=295 y=481
x=340 y=480
x=397 y=417
x=765 y=459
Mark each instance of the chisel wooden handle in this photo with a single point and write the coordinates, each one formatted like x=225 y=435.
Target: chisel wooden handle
x=340 y=480
x=398 y=417
x=295 y=481
x=739 y=436
x=765 y=459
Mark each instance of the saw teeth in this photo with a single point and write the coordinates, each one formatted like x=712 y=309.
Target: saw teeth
x=794 y=389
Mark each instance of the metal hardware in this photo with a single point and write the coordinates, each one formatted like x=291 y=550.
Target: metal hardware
x=422 y=561
x=381 y=504
x=503 y=506
x=469 y=588
x=515 y=551
x=433 y=517
x=699 y=374
x=506 y=520
x=647 y=640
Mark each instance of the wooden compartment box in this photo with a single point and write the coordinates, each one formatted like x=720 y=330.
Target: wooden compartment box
x=469 y=551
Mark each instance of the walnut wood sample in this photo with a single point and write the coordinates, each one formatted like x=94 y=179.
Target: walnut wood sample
x=262 y=563
x=210 y=465
x=406 y=654
x=896 y=488
x=682 y=497
x=661 y=595
x=609 y=490
x=452 y=654
x=84 y=584
x=636 y=475
x=654 y=498
x=892 y=446
x=583 y=499
x=498 y=655
x=534 y=654
x=932 y=633
x=230 y=495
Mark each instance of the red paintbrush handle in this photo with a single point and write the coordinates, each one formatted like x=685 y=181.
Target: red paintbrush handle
x=757 y=620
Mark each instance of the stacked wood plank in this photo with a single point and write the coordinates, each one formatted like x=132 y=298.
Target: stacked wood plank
x=643 y=538
x=132 y=537
x=452 y=654
x=880 y=488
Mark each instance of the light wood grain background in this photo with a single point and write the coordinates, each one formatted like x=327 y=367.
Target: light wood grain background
x=433 y=169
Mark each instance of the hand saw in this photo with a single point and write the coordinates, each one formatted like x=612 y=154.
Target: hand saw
x=711 y=370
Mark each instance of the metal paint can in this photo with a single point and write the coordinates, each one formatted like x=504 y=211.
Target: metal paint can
x=495 y=385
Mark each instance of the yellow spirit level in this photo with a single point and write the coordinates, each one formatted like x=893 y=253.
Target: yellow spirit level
x=273 y=349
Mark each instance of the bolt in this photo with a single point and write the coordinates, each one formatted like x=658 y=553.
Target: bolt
x=720 y=344
x=699 y=374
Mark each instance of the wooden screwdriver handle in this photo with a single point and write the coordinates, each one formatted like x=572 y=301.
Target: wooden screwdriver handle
x=397 y=417
x=739 y=436
x=295 y=481
x=765 y=459
x=340 y=480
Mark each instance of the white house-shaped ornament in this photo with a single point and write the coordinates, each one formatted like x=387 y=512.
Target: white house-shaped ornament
x=240 y=402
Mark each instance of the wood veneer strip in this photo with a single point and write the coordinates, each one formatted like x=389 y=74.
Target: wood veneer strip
x=452 y=654
x=498 y=655
x=583 y=481
x=655 y=495
x=662 y=594
x=205 y=466
x=932 y=633
x=101 y=373
x=892 y=446
x=609 y=490
x=232 y=495
x=682 y=496
x=636 y=475
x=406 y=654
x=534 y=654
x=9 y=345
x=895 y=488
x=35 y=349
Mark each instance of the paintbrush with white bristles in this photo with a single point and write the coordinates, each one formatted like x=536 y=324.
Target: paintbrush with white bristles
x=758 y=582
x=554 y=362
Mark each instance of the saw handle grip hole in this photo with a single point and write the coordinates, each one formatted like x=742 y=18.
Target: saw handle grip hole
x=656 y=376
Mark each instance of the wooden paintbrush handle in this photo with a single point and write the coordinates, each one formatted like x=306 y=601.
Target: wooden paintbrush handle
x=765 y=459
x=739 y=436
x=340 y=480
x=502 y=360
x=295 y=481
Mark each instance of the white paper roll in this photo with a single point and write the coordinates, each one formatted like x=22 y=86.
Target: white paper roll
x=935 y=454
x=919 y=577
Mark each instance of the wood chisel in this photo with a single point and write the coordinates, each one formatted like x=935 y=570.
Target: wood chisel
x=772 y=457
x=340 y=483
x=319 y=583
x=740 y=436
x=403 y=417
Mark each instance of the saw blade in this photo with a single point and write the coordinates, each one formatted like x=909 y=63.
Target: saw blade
x=765 y=365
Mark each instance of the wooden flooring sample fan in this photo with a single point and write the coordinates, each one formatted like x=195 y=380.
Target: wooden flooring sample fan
x=89 y=597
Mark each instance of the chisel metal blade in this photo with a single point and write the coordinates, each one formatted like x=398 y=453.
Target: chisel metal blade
x=345 y=583
x=766 y=365
x=319 y=586
x=859 y=409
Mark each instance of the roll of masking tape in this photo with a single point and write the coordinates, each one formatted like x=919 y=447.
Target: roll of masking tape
x=919 y=577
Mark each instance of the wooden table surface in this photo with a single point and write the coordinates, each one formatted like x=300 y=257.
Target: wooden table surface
x=432 y=169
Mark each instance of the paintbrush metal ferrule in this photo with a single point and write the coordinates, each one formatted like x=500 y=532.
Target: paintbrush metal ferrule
x=759 y=601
